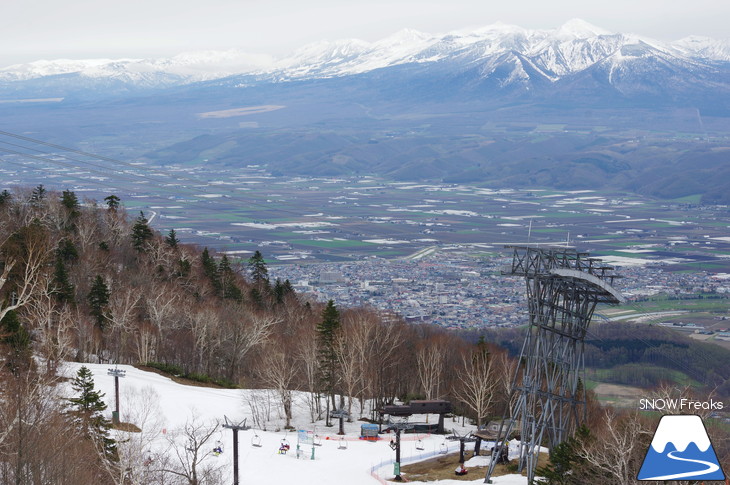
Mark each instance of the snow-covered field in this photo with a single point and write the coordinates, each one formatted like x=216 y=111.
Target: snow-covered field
x=162 y=407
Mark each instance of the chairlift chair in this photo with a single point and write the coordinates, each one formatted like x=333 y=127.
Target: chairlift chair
x=342 y=445
x=419 y=445
x=317 y=440
x=218 y=449
x=444 y=448
x=256 y=440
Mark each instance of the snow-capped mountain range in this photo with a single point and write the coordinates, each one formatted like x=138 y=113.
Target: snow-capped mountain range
x=519 y=55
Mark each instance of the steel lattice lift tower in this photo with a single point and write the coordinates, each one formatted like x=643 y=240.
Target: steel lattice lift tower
x=563 y=288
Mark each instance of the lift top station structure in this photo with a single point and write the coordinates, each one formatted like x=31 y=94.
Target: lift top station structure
x=563 y=288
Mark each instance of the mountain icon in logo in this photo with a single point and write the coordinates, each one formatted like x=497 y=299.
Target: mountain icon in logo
x=681 y=450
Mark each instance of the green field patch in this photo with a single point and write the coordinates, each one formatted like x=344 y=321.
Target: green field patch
x=549 y=230
x=329 y=244
x=689 y=199
x=693 y=304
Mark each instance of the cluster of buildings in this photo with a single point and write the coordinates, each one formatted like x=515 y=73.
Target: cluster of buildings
x=459 y=290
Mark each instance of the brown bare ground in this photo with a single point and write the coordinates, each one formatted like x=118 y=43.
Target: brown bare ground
x=442 y=468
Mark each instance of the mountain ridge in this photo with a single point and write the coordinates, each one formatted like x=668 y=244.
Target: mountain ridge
x=570 y=48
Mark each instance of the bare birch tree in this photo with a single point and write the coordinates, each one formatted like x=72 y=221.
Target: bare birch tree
x=477 y=383
x=615 y=455
x=189 y=448
x=276 y=369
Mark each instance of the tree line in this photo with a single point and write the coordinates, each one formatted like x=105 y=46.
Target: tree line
x=90 y=282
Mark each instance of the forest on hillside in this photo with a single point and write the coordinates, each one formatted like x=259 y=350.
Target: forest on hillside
x=86 y=281
x=640 y=355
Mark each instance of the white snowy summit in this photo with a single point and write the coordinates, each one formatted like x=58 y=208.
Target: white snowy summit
x=528 y=54
x=680 y=430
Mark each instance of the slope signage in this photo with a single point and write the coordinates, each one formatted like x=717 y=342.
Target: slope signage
x=681 y=450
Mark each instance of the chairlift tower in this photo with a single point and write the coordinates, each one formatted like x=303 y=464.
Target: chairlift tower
x=235 y=427
x=117 y=373
x=563 y=288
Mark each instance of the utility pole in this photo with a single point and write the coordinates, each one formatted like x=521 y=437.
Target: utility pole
x=117 y=373
x=236 y=428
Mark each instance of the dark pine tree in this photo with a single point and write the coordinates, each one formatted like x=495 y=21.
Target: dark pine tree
x=278 y=292
x=98 y=299
x=71 y=203
x=63 y=289
x=327 y=331
x=5 y=197
x=87 y=411
x=560 y=470
x=141 y=232
x=210 y=269
x=171 y=239
x=112 y=202
x=257 y=268
x=227 y=278
x=66 y=251
x=17 y=338
x=37 y=195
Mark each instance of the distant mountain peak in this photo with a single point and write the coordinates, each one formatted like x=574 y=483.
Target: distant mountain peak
x=580 y=29
x=508 y=54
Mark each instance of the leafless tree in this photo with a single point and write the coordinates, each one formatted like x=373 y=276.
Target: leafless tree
x=242 y=332
x=614 y=454
x=190 y=447
x=123 y=309
x=477 y=384
x=350 y=348
x=204 y=325
x=506 y=369
x=51 y=326
x=307 y=355
x=278 y=372
x=430 y=366
x=37 y=443
x=30 y=260
x=134 y=446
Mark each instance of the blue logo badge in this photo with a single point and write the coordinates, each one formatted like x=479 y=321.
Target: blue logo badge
x=681 y=450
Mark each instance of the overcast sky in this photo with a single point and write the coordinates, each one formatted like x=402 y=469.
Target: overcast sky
x=50 y=29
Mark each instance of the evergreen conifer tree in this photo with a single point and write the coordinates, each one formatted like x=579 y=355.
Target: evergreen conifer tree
x=141 y=232
x=17 y=338
x=37 y=195
x=71 y=203
x=258 y=269
x=63 y=289
x=278 y=292
x=87 y=412
x=112 y=202
x=227 y=278
x=5 y=197
x=327 y=331
x=171 y=239
x=66 y=251
x=98 y=299
x=560 y=470
x=210 y=268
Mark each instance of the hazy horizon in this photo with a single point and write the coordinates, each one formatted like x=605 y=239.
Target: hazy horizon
x=79 y=29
